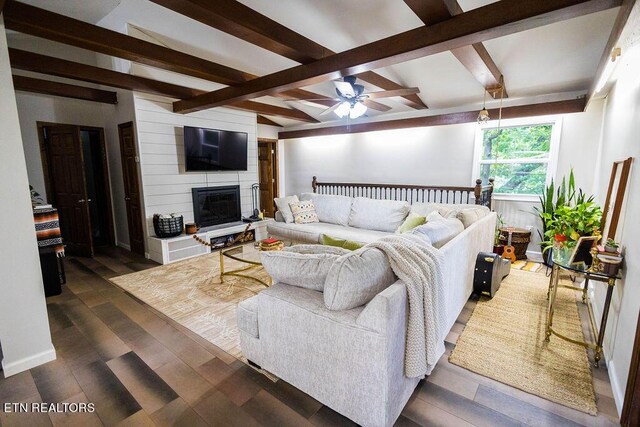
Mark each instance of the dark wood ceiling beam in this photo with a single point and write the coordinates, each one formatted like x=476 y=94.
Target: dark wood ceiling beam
x=59 y=28
x=262 y=120
x=559 y=107
x=34 y=62
x=475 y=57
x=491 y=21
x=52 y=26
x=614 y=36
x=236 y=19
x=47 y=87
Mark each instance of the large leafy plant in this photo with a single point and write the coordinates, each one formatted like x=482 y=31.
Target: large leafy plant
x=573 y=222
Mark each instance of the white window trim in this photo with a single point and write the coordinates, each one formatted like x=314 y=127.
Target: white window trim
x=528 y=121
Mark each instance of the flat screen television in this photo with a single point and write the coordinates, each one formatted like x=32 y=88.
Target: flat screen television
x=214 y=150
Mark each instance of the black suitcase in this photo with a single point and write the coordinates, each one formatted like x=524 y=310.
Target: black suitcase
x=490 y=270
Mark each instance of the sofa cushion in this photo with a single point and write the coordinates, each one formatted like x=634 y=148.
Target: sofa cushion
x=331 y=209
x=439 y=231
x=380 y=215
x=282 y=203
x=411 y=221
x=302 y=269
x=349 y=245
x=471 y=215
x=355 y=278
x=304 y=212
x=312 y=233
x=424 y=209
x=247 y=315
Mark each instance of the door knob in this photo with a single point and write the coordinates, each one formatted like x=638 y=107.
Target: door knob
x=89 y=200
x=81 y=201
x=127 y=198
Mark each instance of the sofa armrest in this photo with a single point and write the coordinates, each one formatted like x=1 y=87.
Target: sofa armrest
x=384 y=308
x=278 y=217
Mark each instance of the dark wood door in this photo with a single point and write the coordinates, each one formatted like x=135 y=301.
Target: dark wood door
x=131 y=187
x=266 y=157
x=66 y=167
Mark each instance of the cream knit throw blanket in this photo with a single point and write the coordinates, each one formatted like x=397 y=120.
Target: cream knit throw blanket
x=419 y=266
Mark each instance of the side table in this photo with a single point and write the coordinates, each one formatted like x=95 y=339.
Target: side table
x=580 y=270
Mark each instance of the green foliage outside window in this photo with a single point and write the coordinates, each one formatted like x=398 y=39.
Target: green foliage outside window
x=517 y=157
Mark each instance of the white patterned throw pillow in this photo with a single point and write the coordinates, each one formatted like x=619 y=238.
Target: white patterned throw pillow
x=304 y=212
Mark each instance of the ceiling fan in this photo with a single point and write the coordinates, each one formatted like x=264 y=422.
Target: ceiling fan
x=352 y=100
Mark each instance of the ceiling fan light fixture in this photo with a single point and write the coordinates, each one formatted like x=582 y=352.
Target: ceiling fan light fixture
x=343 y=109
x=357 y=110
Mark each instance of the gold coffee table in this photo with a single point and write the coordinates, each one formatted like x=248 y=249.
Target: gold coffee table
x=246 y=254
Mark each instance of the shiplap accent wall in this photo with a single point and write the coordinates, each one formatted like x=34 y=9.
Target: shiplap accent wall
x=166 y=186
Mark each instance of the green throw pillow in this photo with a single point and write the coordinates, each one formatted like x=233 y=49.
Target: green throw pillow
x=412 y=221
x=341 y=243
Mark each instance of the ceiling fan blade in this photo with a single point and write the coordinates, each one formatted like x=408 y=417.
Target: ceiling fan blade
x=312 y=99
x=330 y=109
x=375 y=105
x=345 y=89
x=395 y=92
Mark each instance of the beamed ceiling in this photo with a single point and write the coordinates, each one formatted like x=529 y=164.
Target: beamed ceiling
x=259 y=55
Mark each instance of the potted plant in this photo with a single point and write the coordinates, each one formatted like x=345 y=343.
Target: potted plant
x=611 y=246
x=552 y=200
x=498 y=248
x=569 y=223
x=36 y=199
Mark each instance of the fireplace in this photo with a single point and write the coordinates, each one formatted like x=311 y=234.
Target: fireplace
x=216 y=205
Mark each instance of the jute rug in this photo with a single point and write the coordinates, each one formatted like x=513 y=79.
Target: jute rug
x=190 y=292
x=504 y=340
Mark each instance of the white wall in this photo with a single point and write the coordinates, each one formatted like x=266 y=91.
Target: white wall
x=33 y=108
x=165 y=184
x=621 y=128
x=24 y=327
x=122 y=113
x=439 y=155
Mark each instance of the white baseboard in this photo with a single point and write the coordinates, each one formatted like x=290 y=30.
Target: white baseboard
x=618 y=391
x=123 y=245
x=616 y=387
x=27 y=363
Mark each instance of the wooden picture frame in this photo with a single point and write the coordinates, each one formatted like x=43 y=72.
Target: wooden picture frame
x=615 y=198
x=582 y=252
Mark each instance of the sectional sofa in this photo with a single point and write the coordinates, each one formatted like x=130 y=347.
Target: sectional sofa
x=352 y=360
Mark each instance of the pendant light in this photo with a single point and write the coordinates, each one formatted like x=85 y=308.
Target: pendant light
x=483 y=115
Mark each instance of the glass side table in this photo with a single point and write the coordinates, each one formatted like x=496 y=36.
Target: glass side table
x=560 y=263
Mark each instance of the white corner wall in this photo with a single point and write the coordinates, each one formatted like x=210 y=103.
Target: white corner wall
x=620 y=133
x=166 y=186
x=24 y=327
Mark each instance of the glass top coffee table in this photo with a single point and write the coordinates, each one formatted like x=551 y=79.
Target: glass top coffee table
x=248 y=256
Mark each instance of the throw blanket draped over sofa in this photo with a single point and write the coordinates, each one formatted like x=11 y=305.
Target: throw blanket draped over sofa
x=419 y=266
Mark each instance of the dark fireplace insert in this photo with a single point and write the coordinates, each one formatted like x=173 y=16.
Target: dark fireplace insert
x=216 y=205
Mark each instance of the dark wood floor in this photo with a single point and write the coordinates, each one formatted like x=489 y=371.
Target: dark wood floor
x=140 y=368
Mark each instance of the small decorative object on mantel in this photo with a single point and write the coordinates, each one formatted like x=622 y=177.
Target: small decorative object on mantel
x=169 y=225
x=191 y=228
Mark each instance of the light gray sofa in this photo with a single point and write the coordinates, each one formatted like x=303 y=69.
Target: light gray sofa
x=351 y=360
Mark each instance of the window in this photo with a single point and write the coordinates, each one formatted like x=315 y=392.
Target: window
x=519 y=155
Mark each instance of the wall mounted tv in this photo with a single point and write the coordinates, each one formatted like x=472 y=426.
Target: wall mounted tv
x=214 y=150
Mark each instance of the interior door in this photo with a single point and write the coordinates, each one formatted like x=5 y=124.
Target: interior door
x=131 y=187
x=66 y=167
x=266 y=177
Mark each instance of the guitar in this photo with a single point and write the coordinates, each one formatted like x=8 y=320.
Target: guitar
x=509 y=251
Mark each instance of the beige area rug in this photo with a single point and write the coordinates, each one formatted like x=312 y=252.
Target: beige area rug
x=504 y=340
x=190 y=292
